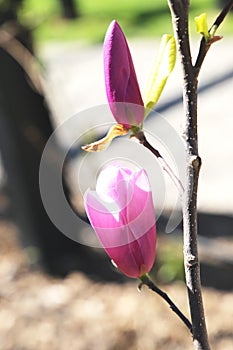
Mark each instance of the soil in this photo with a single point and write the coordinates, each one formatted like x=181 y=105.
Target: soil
x=40 y=312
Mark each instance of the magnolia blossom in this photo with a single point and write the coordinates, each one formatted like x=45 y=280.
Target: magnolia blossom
x=121 y=212
x=122 y=87
x=123 y=92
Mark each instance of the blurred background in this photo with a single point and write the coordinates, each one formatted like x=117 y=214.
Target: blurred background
x=56 y=293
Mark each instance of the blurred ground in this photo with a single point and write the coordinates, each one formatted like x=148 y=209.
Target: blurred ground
x=38 y=312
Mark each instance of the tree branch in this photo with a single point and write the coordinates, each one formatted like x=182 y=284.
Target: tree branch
x=205 y=45
x=147 y=281
x=142 y=139
x=223 y=14
x=193 y=163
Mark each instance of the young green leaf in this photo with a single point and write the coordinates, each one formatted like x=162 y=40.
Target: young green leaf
x=161 y=69
x=201 y=26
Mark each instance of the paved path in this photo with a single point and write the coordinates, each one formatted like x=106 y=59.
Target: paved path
x=75 y=82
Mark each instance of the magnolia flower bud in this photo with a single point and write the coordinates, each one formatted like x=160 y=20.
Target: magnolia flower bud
x=121 y=212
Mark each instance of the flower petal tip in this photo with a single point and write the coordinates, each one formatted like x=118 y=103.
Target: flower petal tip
x=120 y=78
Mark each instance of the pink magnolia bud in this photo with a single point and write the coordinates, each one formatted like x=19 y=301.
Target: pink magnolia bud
x=121 y=212
x=122 y=88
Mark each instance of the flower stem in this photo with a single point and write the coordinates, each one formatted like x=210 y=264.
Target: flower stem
x=150 y=284
x=142 y=139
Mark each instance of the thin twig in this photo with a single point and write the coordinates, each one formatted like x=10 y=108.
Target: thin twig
x=205 y=45
x=223 y=14
x=150 y=284
x=142 y=139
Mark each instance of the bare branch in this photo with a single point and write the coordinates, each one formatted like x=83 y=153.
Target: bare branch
x=193 y=163
x=147 y=281
x=205 y=45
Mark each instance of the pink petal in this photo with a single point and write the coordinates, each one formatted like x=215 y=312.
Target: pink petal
x=122 y=87
x=136 y=258
x=108 y=179
x=126 y=224
x=105 y=220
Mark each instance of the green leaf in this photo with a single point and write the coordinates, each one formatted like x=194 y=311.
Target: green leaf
x=201 y=26
x=161 y=69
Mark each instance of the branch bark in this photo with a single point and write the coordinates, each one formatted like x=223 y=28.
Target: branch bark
x=180 y=10
x=150 y=284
